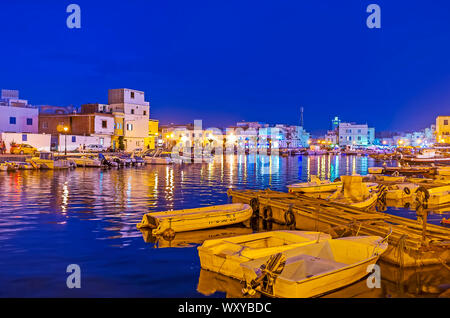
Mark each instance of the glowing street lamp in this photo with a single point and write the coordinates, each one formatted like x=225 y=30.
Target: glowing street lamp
x=66 y=129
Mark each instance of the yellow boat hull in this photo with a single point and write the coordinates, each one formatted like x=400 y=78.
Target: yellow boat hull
x=314 y=270
x=224 y=256
x=196 y=219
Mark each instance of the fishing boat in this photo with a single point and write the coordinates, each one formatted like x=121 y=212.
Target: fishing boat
x=445 y=221
x=356 y=193
x=224 y=256
x=314 y=269
x=8 y=166
x=315 y=186
x=427 y=156
x=87 y=161
x=191 y=238
x=159 y=157
x=433 y=196
x=47 y=160
x=23 y=165
x=375 y=170
x=195 y=219
x=401 y=191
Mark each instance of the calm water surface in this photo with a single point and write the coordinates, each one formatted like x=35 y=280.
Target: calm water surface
x=50 y=219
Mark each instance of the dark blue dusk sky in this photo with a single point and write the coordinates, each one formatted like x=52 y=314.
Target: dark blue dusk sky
x=226 y=61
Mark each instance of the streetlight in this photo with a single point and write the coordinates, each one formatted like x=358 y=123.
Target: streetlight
x=65 y=140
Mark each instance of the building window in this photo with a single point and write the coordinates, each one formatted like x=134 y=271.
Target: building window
x=129 y=127
x=29 y=121
x=102 y=141
x=74 y=138
x=145 y=112
x=359 y=137
x=12 y=120
x=44 y=124
x=104 y=124
x=132 y=111
x=445 y=121
x=132 y=95
x=24 y=137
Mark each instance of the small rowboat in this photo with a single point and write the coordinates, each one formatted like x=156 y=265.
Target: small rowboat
x=314 y=269
x=315 y=186
x=445 y=221
x=225 y=255
x=196 y=219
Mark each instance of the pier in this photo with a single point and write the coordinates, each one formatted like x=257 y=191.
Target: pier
x=411 y=243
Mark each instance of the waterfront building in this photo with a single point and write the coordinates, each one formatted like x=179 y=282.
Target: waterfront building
x=351 y=134
x=153 y=133
x=331 y=138
x=117 y=139
x=292 y=137
x=39 y=141
x=136 y=112
x=443 y=129
x=17 y=115
x=97 y=125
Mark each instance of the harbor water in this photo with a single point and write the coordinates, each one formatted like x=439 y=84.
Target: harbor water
x=87 y=216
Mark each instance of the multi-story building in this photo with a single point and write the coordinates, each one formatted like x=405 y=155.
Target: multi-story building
x=136 y=115
x=100 y=126
x=17 y=115
x=443 y=129
x=351 y=134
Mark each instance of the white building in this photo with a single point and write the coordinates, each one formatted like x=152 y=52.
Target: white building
x=136 y=115
x=16 y=114
x=39 y=141
x=351 y=134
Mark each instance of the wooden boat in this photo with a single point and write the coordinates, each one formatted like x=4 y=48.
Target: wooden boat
x=47 y=160
x=314 y=269
x=87 y=161
x=188 y=239
x=375 y=170
x=315 y=186
x=433 y=196
x=445 y=221
x=355 y=193
x=8 y=166
x=24 y=165
x=401 y=191
x=224 y=256
x=196 y=219
x=159 y=158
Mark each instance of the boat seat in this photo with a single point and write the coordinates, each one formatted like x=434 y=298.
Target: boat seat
x=304 y=266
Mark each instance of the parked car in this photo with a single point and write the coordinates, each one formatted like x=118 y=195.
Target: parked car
x=94 y=148
x=23 y=149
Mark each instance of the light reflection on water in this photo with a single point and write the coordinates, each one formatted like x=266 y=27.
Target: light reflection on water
x=50 y=219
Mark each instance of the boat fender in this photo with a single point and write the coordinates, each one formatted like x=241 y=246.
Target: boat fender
x=169 y=234
x=406 y=190
x=267 y=213
x=254 y=203
x=289 y=217
x=422 y=195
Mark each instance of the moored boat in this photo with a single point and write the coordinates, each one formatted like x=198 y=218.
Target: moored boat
x=224 y=256
x=314 y=269
x=315 y=186
x=196 y=219
x=356 y=193
x=47 y=160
